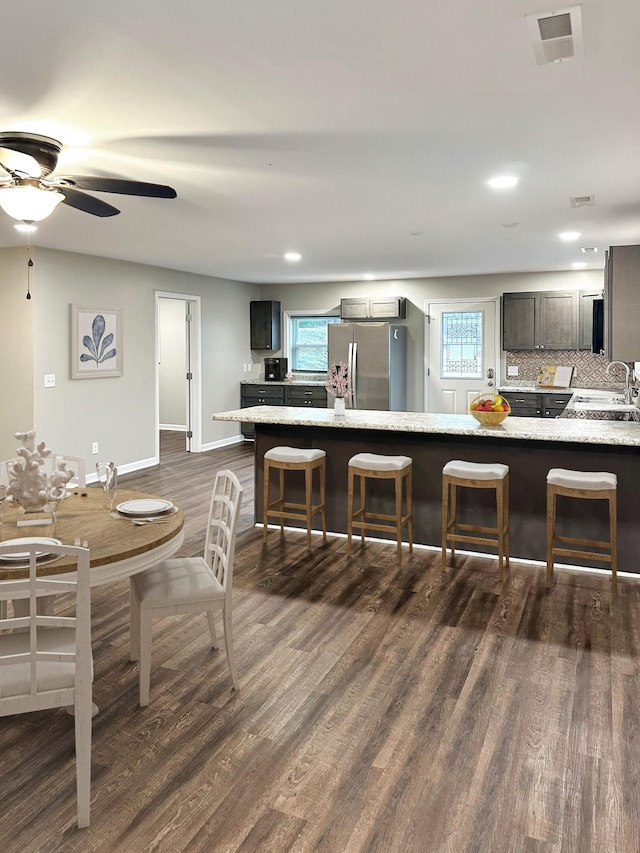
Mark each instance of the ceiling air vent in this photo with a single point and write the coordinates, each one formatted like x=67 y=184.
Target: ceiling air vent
x=557 y=35
x=582 y=200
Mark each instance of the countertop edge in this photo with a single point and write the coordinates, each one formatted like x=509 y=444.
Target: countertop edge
x=606 y=433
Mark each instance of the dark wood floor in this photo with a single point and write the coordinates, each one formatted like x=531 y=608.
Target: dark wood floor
x=381 y=709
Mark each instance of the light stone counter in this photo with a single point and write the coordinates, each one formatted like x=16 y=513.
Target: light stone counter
x=611 y=433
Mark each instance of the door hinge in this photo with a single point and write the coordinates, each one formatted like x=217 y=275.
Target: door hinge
x=188 y=317
x=189 y=434
x=189 y=376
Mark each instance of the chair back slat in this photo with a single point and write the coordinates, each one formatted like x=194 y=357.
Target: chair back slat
x=224 y=515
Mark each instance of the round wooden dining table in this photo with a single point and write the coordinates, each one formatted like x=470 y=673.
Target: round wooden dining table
x=118 y=547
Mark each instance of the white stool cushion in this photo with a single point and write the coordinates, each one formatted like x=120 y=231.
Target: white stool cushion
x=293 y=454
x=582 y=479
x=376 y=462
x=476 y=470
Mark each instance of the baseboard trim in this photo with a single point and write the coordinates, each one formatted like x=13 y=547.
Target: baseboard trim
x=223 y=442
x=129 y=467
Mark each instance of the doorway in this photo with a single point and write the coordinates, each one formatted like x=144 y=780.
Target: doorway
x=461 y=353
x=178 y=369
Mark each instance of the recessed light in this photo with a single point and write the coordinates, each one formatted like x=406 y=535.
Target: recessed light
x=369 y=276
x=25 y=227
x=579 y=265
x=503 y=182
x=292 y=256
x=567 y=236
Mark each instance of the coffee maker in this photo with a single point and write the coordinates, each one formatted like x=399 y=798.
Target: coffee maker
x=275 y=369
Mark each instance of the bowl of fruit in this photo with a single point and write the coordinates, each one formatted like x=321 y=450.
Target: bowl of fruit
x=489 y=409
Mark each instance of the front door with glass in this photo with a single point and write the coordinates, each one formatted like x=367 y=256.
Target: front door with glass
x=461 y=353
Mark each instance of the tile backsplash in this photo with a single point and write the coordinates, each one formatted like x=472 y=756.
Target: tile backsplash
x=589 y=368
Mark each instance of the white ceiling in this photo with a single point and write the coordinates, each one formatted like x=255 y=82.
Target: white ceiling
x=360 y=133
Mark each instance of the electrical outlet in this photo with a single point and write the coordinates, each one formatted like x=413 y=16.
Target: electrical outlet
x=513 y=370
x=95 y=448
x=49 y=380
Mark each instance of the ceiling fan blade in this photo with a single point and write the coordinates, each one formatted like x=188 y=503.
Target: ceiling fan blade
x=87 y=203
x=116 y=185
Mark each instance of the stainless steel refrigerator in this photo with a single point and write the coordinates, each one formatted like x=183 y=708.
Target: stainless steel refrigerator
x=376 y=357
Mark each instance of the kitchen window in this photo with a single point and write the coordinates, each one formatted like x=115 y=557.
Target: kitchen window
x=308 y=344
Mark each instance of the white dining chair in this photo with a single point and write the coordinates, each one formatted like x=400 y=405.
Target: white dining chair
x=191 y=584
x=45 y=660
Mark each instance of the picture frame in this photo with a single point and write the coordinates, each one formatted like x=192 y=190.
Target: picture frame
x=96 y=342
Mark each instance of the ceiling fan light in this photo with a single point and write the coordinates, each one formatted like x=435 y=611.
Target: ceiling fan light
x=29 y=203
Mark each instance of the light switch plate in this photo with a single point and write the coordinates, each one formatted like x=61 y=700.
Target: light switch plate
x=513 y=370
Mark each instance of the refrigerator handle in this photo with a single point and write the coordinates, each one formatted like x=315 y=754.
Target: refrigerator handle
x=353 y=355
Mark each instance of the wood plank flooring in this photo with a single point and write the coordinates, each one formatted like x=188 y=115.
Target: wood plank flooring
x=381 y=708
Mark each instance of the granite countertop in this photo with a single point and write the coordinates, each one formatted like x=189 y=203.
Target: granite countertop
x=263 y=381
x=536 y=389
x=613 y=433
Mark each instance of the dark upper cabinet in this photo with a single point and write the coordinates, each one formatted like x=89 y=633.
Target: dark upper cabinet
x=546 y=319
x=265 y=325
x=585 y=317
x=622 y=303
x=373 y=308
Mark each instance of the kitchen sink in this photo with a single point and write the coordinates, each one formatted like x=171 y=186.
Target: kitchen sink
x=601 y=399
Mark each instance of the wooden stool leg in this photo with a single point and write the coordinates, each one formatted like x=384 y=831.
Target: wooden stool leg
x=453 y=519
x=445 y=520
x=351 y=479
x=308 y=494
x=265 y=499
x=323 y=498
x=506 y=518
x=613 y=523
x=363 y=506
x=282 y=500
x=397 y=480
x=409 y=487
x=551 y=530
x=500 y=527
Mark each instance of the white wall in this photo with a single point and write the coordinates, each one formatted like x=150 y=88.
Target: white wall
x=172 y=362
x=326 y=296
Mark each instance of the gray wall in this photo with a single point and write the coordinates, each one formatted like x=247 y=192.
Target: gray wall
x=119 y=413
x=326 y=296
x=16 y=350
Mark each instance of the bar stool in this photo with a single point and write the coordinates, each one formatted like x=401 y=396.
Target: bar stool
x=475 y=475
x=591 y=485
x=294 y=459
x=373 y=465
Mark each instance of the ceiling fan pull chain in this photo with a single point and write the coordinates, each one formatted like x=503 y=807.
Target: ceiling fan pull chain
x=29 y=266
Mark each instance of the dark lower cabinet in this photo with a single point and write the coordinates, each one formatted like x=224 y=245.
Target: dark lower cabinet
x=259 y=395
x=532 y=405
x=314 y=396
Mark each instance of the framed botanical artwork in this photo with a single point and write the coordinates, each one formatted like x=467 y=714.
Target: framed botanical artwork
x=96 y=342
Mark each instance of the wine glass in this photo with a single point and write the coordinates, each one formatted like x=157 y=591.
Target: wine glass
x=108 y=478
x=56 y=493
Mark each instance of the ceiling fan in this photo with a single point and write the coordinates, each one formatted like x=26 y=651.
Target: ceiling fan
x=29 y=193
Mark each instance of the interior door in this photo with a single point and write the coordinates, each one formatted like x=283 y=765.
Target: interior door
x=462 y=353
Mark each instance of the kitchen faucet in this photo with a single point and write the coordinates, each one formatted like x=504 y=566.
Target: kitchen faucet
x=627 y=383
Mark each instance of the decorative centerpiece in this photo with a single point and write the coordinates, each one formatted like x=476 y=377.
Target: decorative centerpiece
x=338 y=384
x=29 y=485
x=489 y=409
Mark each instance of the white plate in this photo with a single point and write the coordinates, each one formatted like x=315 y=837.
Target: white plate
x=144 y=506
x=29 y=540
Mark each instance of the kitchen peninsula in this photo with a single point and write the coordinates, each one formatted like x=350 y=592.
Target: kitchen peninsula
x=529 y=446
